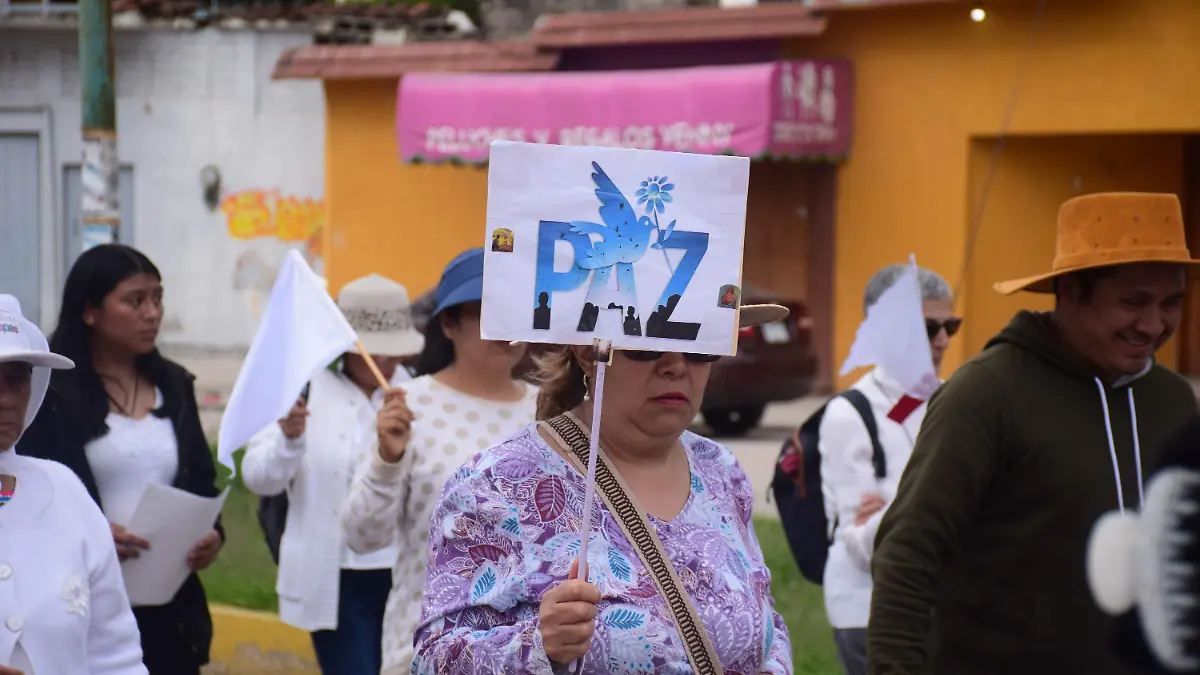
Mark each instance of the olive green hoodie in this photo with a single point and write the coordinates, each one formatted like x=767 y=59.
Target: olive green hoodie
x=979 y=562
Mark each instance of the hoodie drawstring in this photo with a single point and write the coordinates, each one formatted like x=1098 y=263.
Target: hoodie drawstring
x=1112 y=446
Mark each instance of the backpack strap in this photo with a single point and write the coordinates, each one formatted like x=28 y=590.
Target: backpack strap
x=863 y=406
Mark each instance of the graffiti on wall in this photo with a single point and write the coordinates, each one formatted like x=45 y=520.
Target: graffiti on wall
x=275 y=216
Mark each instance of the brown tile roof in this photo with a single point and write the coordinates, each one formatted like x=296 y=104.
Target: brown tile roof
x=693 y=24
x=352 y=62
x=580 y=29
x=834 y=5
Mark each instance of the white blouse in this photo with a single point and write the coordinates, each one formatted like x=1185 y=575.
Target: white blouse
x=134 y=454
x=391 y=504
x=63 y=607
x=315 y=471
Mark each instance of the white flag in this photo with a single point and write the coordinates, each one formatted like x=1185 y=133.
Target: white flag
x=893 y=337
x=301 y=332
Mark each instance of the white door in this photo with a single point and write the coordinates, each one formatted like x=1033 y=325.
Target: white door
x=20 y=220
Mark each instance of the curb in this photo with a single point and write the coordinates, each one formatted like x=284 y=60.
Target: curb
x=247 y=642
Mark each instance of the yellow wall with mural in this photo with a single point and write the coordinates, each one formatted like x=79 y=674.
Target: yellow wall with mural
x=400 y=220
x=929 y=81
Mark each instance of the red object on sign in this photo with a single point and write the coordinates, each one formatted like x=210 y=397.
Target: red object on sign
x=903 y=408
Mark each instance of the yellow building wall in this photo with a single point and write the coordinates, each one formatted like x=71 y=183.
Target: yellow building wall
x=400 y=220
x=929 y=81
x=932 y=88
x=1016 y=238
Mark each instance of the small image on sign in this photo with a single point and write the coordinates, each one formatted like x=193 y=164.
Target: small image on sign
x=728 y=298
x=502 y=240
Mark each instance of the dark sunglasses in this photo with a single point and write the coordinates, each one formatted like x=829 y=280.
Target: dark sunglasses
x=950 y=325
x=639 y=355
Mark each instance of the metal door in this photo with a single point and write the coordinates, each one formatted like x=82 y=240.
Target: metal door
x=20 y=220
x=72 y=206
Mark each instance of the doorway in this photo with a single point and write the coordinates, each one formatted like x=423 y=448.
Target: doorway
x=73 y=218
x=20 y=220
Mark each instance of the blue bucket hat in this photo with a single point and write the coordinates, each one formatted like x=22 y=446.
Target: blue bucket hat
x=462 y=281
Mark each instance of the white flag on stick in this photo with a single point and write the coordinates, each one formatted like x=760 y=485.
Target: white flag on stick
x=301 y=332
x=893 y=337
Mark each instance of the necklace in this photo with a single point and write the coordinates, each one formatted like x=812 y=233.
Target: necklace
x=127 y=411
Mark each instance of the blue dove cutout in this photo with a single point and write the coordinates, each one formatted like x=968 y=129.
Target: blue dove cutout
x=625 y=237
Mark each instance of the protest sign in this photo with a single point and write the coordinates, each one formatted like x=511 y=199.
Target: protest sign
x=643 y=248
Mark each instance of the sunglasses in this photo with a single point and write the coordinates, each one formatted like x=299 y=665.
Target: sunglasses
x=951 y=326
x=644 y=356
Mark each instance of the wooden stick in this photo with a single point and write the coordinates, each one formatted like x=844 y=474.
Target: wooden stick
x=362 y=351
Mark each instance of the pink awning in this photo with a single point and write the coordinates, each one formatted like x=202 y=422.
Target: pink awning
x=799 y=109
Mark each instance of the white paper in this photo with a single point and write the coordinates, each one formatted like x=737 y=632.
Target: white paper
x=592 y=216
x=173 y=521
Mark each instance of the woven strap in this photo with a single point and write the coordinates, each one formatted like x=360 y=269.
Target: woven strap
x=570 y=432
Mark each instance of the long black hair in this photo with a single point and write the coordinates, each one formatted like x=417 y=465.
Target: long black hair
x=438 y=352
x=93 y=276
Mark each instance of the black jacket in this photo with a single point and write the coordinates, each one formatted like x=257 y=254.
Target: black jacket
x=57 y=434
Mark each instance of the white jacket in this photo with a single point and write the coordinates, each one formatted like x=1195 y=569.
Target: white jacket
x=847 y=473
x=316 y=470
x=63 y=607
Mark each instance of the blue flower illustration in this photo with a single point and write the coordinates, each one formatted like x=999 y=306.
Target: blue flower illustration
x=655 y=193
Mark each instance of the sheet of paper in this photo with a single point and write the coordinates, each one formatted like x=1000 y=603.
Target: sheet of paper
x=172 y=521
x=640 y=247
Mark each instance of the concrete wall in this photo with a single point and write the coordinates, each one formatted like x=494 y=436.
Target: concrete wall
x=186 y=100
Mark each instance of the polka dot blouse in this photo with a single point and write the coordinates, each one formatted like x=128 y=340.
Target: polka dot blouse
x=394 y=502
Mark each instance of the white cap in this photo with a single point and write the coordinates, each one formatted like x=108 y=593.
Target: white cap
x=21 y=340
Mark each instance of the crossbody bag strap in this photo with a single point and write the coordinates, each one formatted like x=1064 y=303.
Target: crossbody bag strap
x=571 y=434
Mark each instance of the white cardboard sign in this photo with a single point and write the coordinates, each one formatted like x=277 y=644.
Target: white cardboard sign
x=640 y=247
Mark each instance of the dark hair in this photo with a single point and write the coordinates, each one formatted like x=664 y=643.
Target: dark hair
x=438 y=352
x=93 y=276
x=1087 y=282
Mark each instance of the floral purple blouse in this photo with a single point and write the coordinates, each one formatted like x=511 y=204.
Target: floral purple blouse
x=507 y=529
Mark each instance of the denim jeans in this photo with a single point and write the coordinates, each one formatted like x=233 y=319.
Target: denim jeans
x=851 y=646
x=354 y=647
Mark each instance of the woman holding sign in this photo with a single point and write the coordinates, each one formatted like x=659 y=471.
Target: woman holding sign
x=464 y=400
x=126 y=418
x=677 y=579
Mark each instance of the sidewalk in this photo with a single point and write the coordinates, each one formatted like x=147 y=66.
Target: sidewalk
x=216 y=372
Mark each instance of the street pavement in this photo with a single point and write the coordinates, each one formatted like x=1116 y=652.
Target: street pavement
x=216 y=372
x=759 y=449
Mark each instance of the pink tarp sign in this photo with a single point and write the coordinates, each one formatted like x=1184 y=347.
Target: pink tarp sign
x=787 y=109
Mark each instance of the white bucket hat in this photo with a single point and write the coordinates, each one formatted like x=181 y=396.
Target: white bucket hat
x=21 y=340
x=378 y=309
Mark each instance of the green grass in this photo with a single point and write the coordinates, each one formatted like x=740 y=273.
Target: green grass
x=801 y=604
x=244 y=576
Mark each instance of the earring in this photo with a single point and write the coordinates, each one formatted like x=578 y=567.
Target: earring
x=587 y=387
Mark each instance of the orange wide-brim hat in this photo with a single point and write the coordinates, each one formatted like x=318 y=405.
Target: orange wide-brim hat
x=1113 y=228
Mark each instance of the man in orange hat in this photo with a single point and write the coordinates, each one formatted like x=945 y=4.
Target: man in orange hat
x=979 y=562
